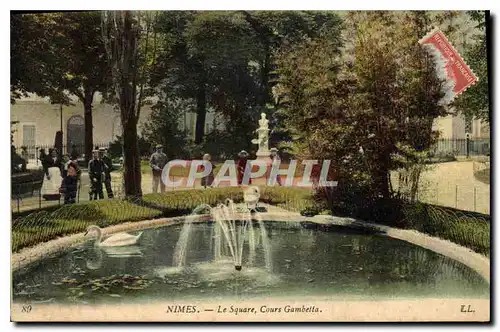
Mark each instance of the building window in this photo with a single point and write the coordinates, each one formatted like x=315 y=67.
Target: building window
x=117 y=129
x=29 y=139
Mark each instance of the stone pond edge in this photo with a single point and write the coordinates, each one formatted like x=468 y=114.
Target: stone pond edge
x=466 y=256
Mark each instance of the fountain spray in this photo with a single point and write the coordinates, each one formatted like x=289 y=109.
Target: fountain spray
x=228 y=236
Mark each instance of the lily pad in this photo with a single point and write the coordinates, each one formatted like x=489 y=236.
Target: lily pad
x=133 y=287
x=33 y=286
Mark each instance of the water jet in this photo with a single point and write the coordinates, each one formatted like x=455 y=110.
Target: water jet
x=234 y=225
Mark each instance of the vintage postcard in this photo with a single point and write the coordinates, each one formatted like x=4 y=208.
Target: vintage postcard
x=250 y=166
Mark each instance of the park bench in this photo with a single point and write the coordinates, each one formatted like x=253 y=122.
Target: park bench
x=26 y=183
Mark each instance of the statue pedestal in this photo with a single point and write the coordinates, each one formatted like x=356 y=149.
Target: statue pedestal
x=263 y=155
x=264 y=158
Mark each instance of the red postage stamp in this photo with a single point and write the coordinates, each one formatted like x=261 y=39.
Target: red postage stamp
x=455 y=70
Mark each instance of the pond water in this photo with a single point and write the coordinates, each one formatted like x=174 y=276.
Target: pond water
x=294 y=261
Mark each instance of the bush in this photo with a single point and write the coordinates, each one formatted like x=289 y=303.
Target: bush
x=440 y=157
x=310 y=211
x=115 y=148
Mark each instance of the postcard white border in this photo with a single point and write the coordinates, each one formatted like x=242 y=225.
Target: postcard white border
x=216 y=4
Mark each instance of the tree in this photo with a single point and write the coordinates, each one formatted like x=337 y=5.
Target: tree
x=57 y=55
x=163 y=128
x=207 y=62
x=273 y=28
x=83 y=59
x=362 y=112
x=474 y=103
x=130 y=43
x=224 y=61
x=33 y=57
x=12 y=131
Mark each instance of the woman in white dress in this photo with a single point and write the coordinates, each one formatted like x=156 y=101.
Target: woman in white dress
x=52 y=179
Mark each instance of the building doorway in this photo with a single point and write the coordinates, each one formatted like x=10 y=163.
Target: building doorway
x=75 y=134
x=29 y=140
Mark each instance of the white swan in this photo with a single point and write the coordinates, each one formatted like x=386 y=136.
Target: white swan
x=116 y=240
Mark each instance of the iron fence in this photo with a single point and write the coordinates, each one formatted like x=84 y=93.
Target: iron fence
x=467 y=198
x=32 y=152
x=458 y=147
x=28 y=196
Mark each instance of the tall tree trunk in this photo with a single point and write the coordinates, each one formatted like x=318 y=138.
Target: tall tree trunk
x=380 y=175
x=122 y=48
x=131 y=160
x=89 y=127
x=264 y=34
x=264 y=77
x=201 y=112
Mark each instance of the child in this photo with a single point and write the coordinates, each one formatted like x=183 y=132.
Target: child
x=207 y=181
x=69 y=185
x=64 y=165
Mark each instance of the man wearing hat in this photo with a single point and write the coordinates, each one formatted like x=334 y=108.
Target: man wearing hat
x=96 y=175
x=108 y=167
x=158 y=161
x=241 y=165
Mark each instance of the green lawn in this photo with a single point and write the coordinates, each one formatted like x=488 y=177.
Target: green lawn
x=483 y=175
x=43 y=226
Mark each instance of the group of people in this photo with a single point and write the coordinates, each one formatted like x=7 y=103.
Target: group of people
x=159 y=159
x=62 y=175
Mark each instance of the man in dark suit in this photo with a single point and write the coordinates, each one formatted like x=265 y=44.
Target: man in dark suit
x=108 y=167
x=96 y=175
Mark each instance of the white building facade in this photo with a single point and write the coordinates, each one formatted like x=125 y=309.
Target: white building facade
x=37 y=121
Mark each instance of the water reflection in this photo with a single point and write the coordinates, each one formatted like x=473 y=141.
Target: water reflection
x=96 y=255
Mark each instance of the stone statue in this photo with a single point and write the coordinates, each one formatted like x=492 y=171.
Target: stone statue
x=263 y=139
